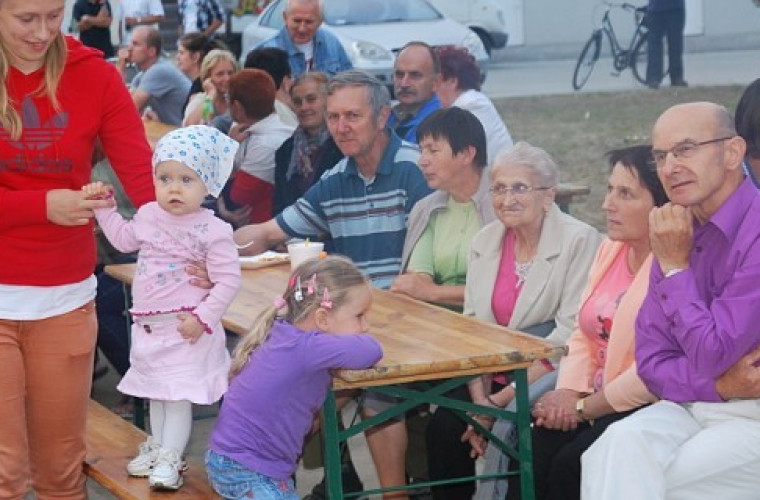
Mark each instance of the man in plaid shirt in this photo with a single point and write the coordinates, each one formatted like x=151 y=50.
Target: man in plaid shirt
x=205 y=16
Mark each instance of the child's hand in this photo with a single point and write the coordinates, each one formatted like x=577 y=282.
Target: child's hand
x=97 y=191
x=190 y=328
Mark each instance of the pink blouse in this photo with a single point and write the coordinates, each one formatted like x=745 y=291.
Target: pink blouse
x=506 y=288
x=595 y=316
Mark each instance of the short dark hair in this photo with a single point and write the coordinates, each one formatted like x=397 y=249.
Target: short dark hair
x=273 y=60
x=254 y=90
x=747 y=119
x=639 y=159
x=199 y=43
x=458 y=62
x=431 y=51
x=460 y=128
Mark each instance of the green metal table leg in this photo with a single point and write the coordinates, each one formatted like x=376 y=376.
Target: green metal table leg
x=524 y=440
x=332 y=448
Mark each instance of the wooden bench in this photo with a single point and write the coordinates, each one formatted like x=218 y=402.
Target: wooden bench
x=112 y=442
x=566 y=191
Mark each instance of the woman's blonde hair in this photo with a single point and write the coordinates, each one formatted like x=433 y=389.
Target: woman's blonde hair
x=315 y=283
x=213 y=58
x=54 y=62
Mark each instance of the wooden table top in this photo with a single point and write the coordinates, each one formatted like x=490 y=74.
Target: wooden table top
x=155 y=130
x=420 y=341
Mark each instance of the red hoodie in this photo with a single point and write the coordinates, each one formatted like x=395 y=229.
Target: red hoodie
x=55 y=152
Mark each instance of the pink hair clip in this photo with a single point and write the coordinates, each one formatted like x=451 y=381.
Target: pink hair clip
x=292 y=281
x=326 y=302
x=279 y=303
x=311 y=288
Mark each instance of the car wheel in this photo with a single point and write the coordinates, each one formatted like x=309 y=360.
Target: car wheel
x=485 y=39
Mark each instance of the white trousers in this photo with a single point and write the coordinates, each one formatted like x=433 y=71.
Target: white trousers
x=676 y=451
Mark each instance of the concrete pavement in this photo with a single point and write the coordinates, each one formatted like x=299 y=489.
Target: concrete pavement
x=526 y=78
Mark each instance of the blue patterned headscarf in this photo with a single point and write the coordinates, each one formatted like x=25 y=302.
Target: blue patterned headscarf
x=204 y=149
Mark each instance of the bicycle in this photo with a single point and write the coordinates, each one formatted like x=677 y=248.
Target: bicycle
x=634 y=56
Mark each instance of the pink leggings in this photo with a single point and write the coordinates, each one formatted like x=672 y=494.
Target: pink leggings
x=45 y=379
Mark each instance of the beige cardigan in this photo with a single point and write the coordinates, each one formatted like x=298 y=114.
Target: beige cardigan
x=555 y=281
x=623 y=388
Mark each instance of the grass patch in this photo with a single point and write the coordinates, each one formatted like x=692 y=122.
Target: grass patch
x=577 y=130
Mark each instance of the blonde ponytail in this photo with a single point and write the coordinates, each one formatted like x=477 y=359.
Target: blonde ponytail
x=256 y=336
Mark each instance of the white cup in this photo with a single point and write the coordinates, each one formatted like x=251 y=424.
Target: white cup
x=302 y=251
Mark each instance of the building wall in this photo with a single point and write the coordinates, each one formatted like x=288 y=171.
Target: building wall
x=563 y=25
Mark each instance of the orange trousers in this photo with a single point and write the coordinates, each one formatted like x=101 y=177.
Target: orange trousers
x=45 y=380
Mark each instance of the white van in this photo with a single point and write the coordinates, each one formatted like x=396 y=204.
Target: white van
x=484 y=17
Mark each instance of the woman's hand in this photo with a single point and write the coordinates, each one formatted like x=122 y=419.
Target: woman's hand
x=477 y=442
x=416 y=285
x=209 y=88
x=67 y=207
x=556 y=410
x=189 y=327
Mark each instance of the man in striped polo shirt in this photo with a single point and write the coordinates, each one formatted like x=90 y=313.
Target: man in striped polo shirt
x=362 y=203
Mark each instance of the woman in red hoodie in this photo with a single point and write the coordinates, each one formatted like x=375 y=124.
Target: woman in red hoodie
x=57 y=98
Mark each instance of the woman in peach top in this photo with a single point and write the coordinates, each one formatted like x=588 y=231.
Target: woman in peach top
x=597 y=382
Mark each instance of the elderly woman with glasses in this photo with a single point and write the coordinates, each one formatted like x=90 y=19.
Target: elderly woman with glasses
x=526 y=271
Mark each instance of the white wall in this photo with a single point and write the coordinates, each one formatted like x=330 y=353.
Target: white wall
x=547 y=22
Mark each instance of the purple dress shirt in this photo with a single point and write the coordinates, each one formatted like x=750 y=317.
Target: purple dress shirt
x=696 y=324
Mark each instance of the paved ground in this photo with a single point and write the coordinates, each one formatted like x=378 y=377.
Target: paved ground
x=521 y=78
x=506 y=79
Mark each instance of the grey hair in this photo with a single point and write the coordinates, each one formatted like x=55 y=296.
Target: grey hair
x=535 y=159
x=377 y=93
x=320 y=5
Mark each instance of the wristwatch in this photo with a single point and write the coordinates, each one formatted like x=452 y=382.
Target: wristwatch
x=579 y=406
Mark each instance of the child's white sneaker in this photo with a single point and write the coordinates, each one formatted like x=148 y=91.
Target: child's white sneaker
x=167 y=473
x=147 y=454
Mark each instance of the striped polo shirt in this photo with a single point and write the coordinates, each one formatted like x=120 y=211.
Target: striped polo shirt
x=366 y=218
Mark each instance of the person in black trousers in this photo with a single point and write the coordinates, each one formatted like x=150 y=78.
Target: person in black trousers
x=666 y=19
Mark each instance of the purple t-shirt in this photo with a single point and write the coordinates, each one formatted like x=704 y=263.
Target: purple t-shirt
x=271 y=404
x=696 y=324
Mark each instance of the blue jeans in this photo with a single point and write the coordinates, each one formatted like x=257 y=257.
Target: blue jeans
x=232 y=480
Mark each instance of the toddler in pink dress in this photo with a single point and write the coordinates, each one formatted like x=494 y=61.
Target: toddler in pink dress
x=178 y=355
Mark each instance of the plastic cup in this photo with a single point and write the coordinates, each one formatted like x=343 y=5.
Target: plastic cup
x=302 y=251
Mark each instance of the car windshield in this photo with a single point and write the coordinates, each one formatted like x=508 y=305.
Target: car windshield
x=345 y=12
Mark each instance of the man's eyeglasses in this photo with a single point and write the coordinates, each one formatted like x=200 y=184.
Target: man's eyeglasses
x=685 y=149
x=519 y=190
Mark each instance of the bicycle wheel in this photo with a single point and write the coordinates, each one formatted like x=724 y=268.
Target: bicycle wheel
x=640 y=60
x=587 y=59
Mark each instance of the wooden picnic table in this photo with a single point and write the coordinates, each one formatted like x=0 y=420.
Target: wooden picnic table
x=421 y=343
x=155 y=130
x=566 y=191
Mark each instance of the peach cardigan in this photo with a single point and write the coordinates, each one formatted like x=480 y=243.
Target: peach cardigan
x=623 y=388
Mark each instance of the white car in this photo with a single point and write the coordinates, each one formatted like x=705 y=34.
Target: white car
x=484 y=17
x=373 y=31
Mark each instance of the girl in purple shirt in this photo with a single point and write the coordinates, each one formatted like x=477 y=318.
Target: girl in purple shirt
x=280 y=376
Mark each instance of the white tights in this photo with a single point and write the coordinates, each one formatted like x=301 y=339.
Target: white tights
x=171 y=423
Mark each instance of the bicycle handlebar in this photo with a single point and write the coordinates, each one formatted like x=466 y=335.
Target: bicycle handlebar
x=624 y=5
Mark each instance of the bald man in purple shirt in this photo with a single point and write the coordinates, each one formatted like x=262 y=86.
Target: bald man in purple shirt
x=700 y=317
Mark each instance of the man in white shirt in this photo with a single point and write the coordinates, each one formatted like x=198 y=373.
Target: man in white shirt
x=135 y=13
